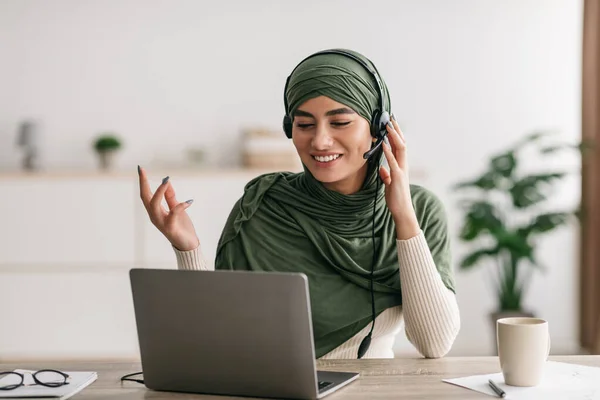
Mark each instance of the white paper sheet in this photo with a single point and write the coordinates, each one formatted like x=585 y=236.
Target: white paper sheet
x=78 y=381
x=561 y=381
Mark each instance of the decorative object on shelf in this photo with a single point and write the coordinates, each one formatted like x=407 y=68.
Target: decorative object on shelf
x=197 y=156
x=267 y=149
x=106 y=146
x=506 y=216
x=28 y=139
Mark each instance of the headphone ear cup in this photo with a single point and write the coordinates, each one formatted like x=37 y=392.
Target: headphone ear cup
x=287 y=126
x=375 y=124
x=384 y=120
x=379 y=124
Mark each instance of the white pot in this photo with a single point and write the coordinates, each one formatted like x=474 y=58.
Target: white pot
x=107 y=159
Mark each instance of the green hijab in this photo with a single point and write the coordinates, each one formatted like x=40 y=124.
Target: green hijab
x=289 y=222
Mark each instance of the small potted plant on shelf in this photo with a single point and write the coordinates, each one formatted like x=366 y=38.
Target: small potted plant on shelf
x=504 y=218
x=106 y=146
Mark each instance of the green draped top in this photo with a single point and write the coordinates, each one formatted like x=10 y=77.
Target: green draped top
x=289 y=222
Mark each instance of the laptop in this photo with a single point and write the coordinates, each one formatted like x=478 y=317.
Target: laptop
x=229 y=333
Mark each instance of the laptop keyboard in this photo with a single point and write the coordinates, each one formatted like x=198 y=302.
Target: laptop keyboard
x=323 y=385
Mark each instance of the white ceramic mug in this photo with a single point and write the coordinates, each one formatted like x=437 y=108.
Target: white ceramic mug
x=523 y=348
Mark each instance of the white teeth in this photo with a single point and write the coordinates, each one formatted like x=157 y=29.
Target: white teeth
x=326 y=158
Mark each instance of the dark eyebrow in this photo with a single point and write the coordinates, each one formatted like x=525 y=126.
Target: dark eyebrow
x=340 y=111
x=300 y=113
x=337 y=111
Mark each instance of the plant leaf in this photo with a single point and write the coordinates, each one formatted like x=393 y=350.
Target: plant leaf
x=515 y=243
x=527 y=191
x=472 y=259
x=582 y=147
x=558 y=147
x=587 y=145
x=504 y=164
x=481 y=217
x=548 y=221
x=532 y=138
x=536 y=264
x=487 y=181
x=578 y=213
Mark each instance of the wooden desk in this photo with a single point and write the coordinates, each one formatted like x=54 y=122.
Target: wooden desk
x=380 y=379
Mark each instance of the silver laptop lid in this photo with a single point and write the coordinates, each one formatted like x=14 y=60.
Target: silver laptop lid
x=225 y=332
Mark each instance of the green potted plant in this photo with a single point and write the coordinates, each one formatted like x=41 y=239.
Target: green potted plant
x=106 y=145
x=504 y=217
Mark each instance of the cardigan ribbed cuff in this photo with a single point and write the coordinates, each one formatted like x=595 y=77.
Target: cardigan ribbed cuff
x=190 y=260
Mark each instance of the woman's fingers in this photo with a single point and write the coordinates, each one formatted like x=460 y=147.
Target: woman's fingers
x=398 y=145
x=172 y=223
x=385 y=175
x=156 y=209
x=397 y=128
x=170 y=196
x=145 y=192
x=390 y=137
x=181 y=206
x=149 y=199
x=390 y=158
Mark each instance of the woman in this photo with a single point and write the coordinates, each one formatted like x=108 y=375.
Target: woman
x=373 y=254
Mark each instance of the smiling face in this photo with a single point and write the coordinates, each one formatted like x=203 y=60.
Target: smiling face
x=331 y=139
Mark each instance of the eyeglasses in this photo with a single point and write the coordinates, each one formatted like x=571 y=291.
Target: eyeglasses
x=45 y=377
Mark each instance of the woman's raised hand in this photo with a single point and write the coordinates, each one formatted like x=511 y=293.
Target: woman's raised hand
x=397 y=188
x=174 y=223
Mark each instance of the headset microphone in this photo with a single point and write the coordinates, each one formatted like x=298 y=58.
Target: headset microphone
x=373 y=149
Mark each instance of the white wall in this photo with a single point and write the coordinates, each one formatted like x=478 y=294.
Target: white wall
x=467 y=77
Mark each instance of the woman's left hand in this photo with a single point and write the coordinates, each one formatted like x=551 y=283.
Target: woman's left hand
x=397 y=188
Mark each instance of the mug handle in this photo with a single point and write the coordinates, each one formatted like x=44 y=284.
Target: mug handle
x=549 y=345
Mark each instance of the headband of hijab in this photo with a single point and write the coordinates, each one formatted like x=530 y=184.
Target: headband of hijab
x=289 y=222
x=340 y=78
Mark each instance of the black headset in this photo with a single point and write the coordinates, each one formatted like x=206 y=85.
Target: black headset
x=379 y=122
x=380 y=117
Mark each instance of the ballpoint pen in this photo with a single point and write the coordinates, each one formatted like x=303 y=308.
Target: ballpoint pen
x=495 y=388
